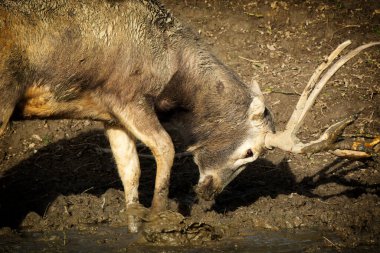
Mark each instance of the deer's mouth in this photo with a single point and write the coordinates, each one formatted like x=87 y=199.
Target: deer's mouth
x=207 y=189
x=210 y=186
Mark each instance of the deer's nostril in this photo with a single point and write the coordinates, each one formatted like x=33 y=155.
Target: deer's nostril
x=205 y=189
x=249 y=153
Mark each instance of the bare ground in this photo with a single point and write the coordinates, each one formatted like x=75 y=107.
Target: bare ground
x=57 y=174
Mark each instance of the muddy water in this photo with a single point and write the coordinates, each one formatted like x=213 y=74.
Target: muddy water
x=106 y=239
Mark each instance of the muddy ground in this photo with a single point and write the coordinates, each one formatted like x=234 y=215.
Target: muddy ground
x=58 y=175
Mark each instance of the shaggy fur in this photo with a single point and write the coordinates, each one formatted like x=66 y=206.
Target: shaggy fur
x=122 y=62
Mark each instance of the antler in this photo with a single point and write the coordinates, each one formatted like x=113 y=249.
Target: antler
x=287 y=139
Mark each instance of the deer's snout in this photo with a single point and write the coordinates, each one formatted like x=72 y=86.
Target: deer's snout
x=207 y=188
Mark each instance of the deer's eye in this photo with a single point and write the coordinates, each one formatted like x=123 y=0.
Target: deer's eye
x=249 y=153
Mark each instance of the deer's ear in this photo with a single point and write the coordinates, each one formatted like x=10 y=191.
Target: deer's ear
x=255 y=88
x=256 y=109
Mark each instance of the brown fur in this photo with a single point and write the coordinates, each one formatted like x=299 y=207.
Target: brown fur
x=39 y=101
x=122 y=61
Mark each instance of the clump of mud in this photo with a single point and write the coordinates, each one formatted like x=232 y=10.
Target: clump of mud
x=171 y=228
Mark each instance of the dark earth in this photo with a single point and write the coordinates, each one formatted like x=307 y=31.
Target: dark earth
x=58 y=175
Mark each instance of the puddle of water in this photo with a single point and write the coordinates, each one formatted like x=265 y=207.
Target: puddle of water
x=106 y=239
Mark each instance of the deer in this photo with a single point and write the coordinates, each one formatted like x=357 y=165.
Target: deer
x=122 y=63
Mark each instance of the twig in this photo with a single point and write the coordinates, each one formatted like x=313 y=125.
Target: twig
x=64 y=238
x=182 y=155
x=88 y=189
x=344 y=27
x=103 y=203
x=256 y=15
x=333 y=244
x=177 y=155
x=250 y=60
x=268 y=171
x=258 y=64
x=351 y=154
x=283 y=92
x=146 y=156
x=47 y=207
x=85 y=144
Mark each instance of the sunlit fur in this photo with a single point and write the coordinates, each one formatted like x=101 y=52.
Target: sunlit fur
x=122 y=62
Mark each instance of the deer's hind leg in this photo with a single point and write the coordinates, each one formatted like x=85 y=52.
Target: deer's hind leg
x=10 y=93
x=12 y=78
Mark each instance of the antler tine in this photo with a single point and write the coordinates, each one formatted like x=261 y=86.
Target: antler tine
x=294 y=119
x=322 y=82
x=287 y=139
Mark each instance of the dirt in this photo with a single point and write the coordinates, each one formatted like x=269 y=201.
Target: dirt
x=59 y=175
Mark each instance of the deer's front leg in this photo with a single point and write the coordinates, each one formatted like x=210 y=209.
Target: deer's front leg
x=127 y=161
x=140 y=119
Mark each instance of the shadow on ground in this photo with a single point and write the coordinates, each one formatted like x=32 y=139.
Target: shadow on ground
x=80 y=165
